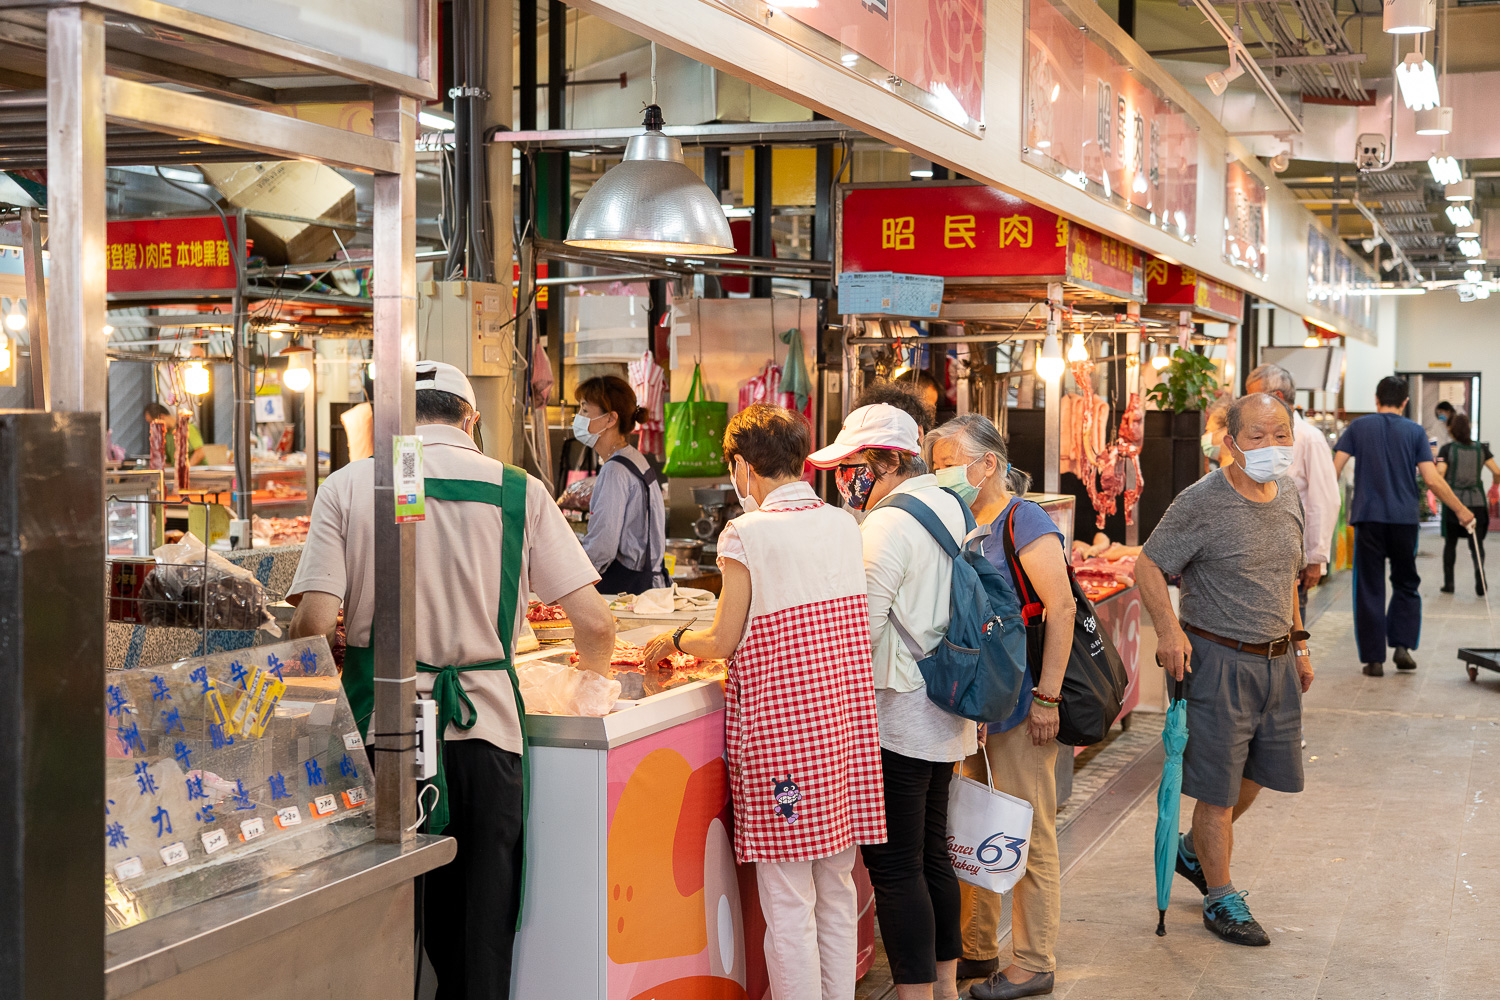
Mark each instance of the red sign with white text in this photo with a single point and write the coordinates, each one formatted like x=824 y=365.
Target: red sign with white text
x=1174 y=285
x=969 y=230
x=170 y=255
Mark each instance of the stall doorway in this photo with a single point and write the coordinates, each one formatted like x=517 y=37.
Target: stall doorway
x=1427 y=389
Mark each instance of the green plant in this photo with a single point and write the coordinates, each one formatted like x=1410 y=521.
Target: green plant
x=1188 y=383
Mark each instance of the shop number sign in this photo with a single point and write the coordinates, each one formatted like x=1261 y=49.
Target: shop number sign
x=168 y=255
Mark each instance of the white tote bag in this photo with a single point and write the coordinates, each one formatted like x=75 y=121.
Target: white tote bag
x=989 y=833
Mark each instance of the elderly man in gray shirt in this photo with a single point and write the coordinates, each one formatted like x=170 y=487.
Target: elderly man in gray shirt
x=1235 y=536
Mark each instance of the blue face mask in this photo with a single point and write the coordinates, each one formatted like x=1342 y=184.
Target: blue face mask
x=1443 y=417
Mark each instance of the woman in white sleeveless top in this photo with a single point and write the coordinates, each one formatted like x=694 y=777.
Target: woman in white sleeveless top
x=801 y=738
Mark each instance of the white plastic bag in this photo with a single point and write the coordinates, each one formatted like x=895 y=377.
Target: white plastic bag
x=989 y=833
x=558 y=689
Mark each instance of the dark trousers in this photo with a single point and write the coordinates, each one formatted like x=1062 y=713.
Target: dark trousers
x=1454 y=536
x=1375 y=623
x=469 y=906
x=917 y=898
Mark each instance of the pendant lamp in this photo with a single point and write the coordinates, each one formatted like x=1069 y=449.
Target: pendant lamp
x=299 y=362
x=651 y=203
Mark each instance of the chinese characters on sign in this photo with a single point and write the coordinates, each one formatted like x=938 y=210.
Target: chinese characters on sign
x=151 y=255
x=1092 y=121
x=1174 y=285
x=961 y=231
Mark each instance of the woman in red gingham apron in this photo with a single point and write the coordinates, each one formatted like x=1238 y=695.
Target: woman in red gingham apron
x=801 y=738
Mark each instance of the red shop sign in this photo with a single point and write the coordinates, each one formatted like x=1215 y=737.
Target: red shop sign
x=973 y=231
x=171 y=255
x=1174 y=285
x=515 y=286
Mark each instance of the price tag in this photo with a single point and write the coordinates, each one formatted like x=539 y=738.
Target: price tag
x=354 y=797
x=215 y=840
x=129 y=868
x=290 y=816
x=174 y=854
x=353 y=742
x=325 y=805
x=252 y=828
x=411 y=491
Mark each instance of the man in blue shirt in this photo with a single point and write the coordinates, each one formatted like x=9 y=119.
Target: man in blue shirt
x=1385 y=514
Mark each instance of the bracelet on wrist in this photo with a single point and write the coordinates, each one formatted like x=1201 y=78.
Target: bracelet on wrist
x=1041 y=699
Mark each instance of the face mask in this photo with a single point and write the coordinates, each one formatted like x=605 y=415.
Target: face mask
x=1265 y=464
x=747 y=502
x=1442 y=418
x=956 y=478
x=1210 y=449
x=581 y=430
x=855 y=483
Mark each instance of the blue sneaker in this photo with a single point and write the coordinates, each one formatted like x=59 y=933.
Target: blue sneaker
x=1230 y=918
x=1189 y=868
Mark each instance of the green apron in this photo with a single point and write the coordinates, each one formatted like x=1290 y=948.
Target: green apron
x=453 y=704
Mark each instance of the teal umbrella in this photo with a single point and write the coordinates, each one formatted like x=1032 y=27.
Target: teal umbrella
x=1174 y=738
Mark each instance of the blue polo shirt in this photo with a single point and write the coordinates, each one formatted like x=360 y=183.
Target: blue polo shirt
x=1386 y=448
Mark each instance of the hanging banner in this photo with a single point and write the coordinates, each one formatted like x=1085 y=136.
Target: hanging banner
x=1245 y=219
x=1175 y=285
x=969 y=230
x=929 y=53
x=191 y=255
x=1090 y=119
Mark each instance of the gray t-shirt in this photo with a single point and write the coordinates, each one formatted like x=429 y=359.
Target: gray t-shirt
x=1237 y=558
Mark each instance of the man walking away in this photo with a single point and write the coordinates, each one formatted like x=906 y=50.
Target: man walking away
x=1390 y=452
x=1236 y=537
x=1312 y=471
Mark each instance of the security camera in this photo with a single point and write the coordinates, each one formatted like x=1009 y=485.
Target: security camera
x=1370 y=151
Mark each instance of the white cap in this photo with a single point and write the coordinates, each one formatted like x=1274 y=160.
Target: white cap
x=443 y=376
x=879 y=425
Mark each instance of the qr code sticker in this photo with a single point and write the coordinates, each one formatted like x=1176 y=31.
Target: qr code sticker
x=409 y=465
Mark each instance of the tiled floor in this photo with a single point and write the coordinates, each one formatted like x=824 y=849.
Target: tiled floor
x=1381 y=879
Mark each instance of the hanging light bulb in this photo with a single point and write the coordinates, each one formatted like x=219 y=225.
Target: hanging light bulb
x=651 y=202
x=1050 y=364
x=16 y=319
x=1312 y=342
x=1162 y=358
x=299 y=360
x=195 y=379
x=1079 y=349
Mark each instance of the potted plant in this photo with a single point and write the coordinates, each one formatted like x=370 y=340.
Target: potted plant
x=1188 y=383
x=1171 y=458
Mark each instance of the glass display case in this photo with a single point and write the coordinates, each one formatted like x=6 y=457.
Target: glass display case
x=134 y=515
x=225 y=770
x=1060 y=507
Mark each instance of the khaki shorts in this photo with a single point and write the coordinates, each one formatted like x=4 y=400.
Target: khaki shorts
x=1244 y=721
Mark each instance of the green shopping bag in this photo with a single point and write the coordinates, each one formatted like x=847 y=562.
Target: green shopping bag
x=695 y=433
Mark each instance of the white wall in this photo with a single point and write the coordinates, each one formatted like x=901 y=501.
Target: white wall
x=1437 y=328
x=1367 y=364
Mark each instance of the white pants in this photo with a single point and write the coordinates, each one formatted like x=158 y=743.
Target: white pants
x=812 y=934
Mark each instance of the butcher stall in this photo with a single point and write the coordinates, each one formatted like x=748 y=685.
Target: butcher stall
x=1030 y=320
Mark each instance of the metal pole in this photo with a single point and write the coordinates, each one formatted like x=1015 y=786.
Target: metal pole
x=36 y=306
x=310 y=428
x=822 y=235
x=244 y=399
x=1132 y=387
x=75 y=186
x=395 y=296
x=760 y=232
x=1052 y=415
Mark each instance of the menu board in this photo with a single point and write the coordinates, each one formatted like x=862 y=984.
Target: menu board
x=226 y=769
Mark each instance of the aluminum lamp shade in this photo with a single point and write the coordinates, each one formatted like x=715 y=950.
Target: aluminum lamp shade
x=1409 y=17
x=651 y=203
x=1435 y=121
x=1459 y=190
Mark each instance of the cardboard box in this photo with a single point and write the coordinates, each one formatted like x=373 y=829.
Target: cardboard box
x=304 y=190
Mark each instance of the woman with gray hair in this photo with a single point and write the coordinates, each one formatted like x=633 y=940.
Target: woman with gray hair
x=969 y=458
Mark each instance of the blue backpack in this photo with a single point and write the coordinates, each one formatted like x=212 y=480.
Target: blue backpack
x=978 y=669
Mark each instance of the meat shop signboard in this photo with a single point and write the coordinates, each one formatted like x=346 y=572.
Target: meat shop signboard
x=1094 y=121
x=972 y=231
x=194 y=255
x=1174 y=285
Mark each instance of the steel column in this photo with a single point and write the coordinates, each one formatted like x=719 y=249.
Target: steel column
x=822 y=234
x=244 y=395
x=1052 y=415
x=310 y=427
x=760 y=234
x=36 y=306
x=1132 y=387
x=75 y=182
x=395 y=301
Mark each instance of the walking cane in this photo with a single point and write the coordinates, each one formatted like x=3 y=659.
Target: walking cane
x=1484 y=584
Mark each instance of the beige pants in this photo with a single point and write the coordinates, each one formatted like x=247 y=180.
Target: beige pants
x=1026 y=771
x=812 y=927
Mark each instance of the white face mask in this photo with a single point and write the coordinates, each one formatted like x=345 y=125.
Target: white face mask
x=747 y=502
x=1266 y=464
x=581 y=430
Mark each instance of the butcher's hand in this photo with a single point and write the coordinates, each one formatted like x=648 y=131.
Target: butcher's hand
x=659 y=649
x=1173 y=651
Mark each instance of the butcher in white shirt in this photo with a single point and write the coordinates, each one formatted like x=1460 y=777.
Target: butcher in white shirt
x=1312 y=471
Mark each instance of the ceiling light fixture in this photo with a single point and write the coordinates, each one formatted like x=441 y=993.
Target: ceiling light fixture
x=651 y=202
x=435 y=121
x=1469 y=232
x=1418 y=82
x=1162 y=358
x=1473 y=274
x=195 y=379
x=1445 y=169
x=16 y=319
x=1409 y=17
x=1459 y=214
x=1079 y=349
x=1459 y=190
x=1371 y=242
x=1050 y=364
x=298 y=374
x=1469 y=248
x=1435 y=121
x=1219 y=80
x=1312 y=342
